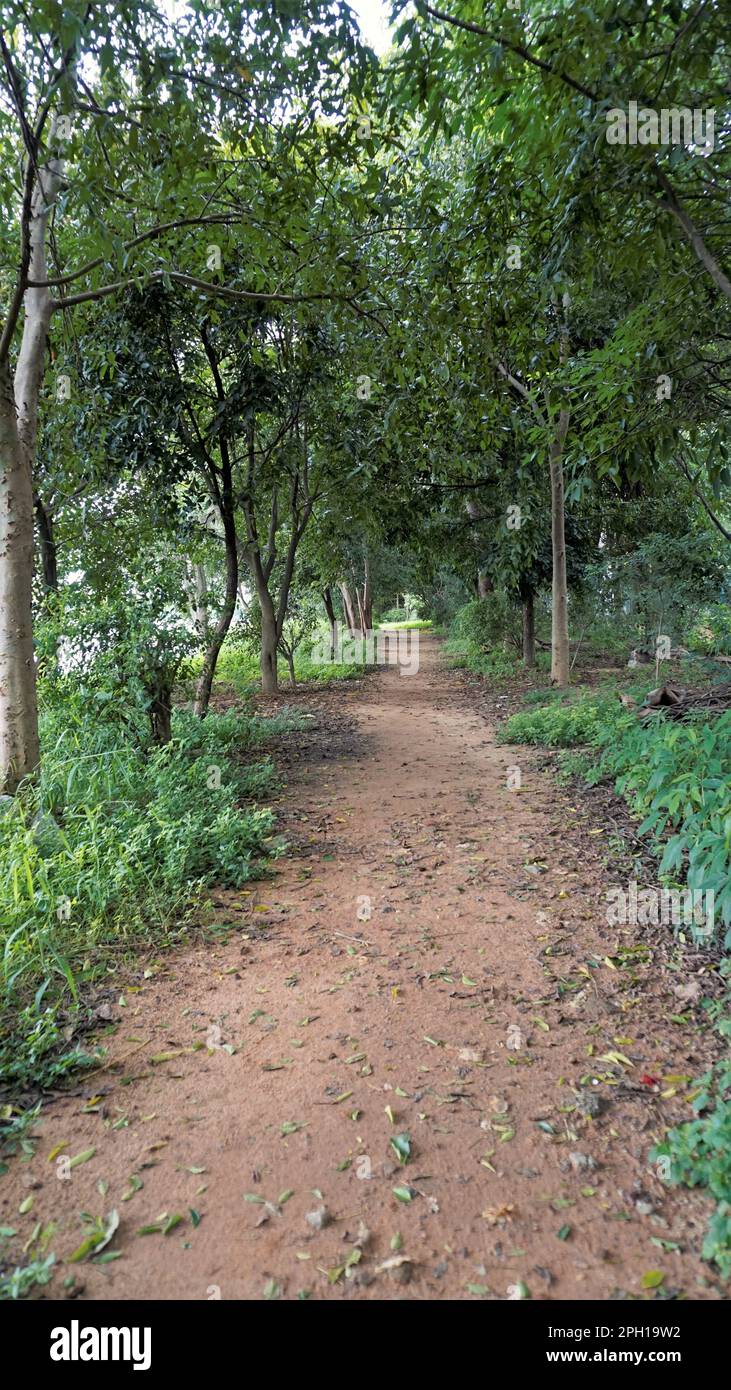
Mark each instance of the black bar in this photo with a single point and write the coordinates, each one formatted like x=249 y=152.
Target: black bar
x=197 y=1338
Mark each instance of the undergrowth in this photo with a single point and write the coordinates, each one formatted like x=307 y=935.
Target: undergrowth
x=116 y=844
x=238 y=666
x=482 y=638
x=676 y=779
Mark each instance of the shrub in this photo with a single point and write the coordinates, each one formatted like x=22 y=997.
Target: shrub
x=563 y=725
x=476 y=640
x=677 y=776
x=711 y=632
x=486 y=621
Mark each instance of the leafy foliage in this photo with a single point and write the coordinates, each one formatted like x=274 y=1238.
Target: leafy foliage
x=583 y=721
x=698 y=1154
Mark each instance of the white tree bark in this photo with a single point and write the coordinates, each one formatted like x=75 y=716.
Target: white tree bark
x=559 y=598
x=19 y=752
x=199 y=599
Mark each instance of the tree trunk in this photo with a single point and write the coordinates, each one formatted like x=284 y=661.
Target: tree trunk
x=485 y=585
x=362 y=625
x=529 y=632
x=205 y=681
x=49 y=559
x=290 y=663
x=19 y=749
x=161 y=714
x=559 y=601
x=367 y=599
x=200 y=601
x=327 y=599
x=348 y=609
x=269 y=642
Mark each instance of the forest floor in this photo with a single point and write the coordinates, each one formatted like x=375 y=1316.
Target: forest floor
x=522 y=1054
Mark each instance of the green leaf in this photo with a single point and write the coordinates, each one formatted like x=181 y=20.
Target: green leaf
x=401 y=1145
x=403 y=1194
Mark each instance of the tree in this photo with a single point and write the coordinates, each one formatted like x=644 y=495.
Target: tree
x=119 y=107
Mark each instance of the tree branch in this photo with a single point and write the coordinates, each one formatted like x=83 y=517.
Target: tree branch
x=159 y=230
x=206 y=287
x=517 y=48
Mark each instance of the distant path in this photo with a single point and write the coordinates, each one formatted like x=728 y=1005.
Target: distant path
x=471 y=1004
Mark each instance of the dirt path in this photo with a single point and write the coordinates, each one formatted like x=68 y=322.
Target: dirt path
x=468 y=1011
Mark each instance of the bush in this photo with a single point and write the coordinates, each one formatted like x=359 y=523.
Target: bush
x=563 y=725
x=478 y=635
x=469 y=657
x=675 y=776
x=711 y=632
x=486 y=621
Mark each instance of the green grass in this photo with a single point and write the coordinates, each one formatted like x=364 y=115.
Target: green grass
x=115 y=847
x=563 y=725
x=493 y=662
x=238 y=666
x=545 y=696
x=413 y=622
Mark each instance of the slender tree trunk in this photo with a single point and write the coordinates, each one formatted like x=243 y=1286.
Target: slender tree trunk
x=200 y=601
x=559 y=600
x=272 y=619
x=367 y=600
x=19 y=748
x=49 y=564
x=529 y=632
x=327 y=599
x=348 y=608
x=362 y=625
x=290 y=663
x=161 y=714
x=49 y=559
x=205 y=681
x=485 y=585
x=261 y=562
